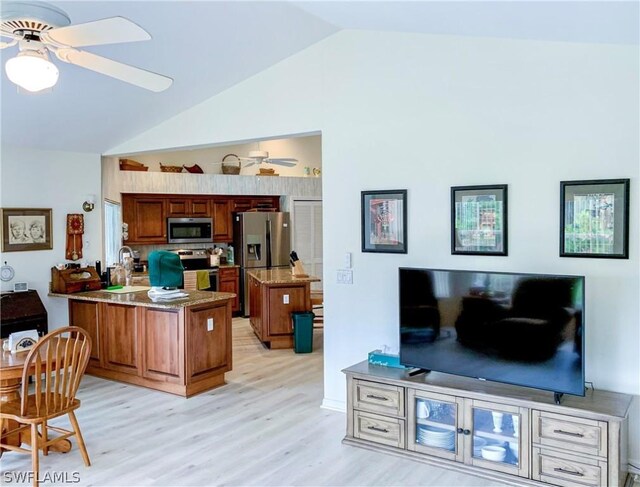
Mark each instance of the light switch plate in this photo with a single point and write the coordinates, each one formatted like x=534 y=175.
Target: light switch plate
x=285 y=299
x=209 y=324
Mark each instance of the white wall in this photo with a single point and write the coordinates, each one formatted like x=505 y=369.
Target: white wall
x=426 y=113
x=60 y=181
x=307 y=150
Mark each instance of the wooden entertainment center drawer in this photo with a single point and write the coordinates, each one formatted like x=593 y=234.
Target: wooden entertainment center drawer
x=567 y=470
x=379 y=429
x=378 y=398
x=570 y=433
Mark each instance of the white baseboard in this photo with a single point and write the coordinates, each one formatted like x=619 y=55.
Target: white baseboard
x=334 y=405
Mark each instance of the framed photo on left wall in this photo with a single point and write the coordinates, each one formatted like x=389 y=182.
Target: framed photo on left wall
x=384 y=221
x=26 y=229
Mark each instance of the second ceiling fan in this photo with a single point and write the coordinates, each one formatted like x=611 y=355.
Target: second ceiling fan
x=260 y=156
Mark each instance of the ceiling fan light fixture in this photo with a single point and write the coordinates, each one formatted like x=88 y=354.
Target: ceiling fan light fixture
x=32 y=71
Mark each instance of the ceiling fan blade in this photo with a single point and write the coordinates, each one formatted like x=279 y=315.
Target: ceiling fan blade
x=123 y=72
x=252 y=163
x=113 y=30
x=282 y=162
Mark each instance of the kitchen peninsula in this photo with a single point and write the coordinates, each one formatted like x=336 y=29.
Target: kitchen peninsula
x=182 y=346
x=273 y=295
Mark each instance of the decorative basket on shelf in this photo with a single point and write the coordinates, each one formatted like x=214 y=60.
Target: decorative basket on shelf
x=170 y=168
x=231 y=168
x=195 y=169
x=131 y=165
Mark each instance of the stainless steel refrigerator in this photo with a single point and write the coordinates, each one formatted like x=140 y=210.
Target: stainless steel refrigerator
x=261 y=241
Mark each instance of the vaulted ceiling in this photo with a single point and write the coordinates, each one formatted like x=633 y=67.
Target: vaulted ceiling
x=208 y=46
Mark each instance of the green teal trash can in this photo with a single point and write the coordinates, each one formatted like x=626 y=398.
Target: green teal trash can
x=302 y=331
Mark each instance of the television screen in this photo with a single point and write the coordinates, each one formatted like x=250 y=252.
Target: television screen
x=522 y=329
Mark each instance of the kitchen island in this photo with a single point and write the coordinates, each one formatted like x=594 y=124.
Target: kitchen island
x=182 y=346
x=273 y=295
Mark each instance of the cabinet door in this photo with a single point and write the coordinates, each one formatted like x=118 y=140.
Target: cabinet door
x=209 y=329
x=229 y=283
x=222 y=225
x=84 y=314
x=282 y=302
x=265 y=203
x=255 y=307
x=177 y=207
x=499 y=437
x=435 y=424
x=162 y=343
x=199 y=207
x=120 y=338
x=241 y=204
x=147 y=220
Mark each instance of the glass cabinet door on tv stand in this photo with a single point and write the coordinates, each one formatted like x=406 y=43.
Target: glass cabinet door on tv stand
x=473 y=432
x=498 y=437
x=434 y=420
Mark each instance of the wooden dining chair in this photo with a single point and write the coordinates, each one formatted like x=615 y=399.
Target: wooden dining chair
x=61 y=357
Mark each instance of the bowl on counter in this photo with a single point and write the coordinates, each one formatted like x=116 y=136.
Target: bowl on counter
x=494 y=453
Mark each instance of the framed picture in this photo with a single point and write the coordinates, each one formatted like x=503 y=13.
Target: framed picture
x=594 y=218
x=26 y=229
x=384 y=221
x=479 y=220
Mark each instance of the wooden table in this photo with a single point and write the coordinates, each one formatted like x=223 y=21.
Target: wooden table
x=11 y=368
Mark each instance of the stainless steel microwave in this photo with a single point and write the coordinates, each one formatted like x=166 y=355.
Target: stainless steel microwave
x=189 y=230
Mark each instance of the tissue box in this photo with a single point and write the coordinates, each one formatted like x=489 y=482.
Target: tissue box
x=376 y=357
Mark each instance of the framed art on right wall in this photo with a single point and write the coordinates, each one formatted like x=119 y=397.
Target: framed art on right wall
x=594 y=218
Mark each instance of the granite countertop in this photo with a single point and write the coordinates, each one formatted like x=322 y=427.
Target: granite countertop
x=279 y=276
x=140 y=298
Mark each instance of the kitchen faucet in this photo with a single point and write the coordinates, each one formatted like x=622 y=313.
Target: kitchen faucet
x=127 y=248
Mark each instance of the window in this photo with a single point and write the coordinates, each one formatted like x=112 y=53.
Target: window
x=112 y=231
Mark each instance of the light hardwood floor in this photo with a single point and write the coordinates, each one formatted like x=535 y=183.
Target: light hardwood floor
x=264 y=427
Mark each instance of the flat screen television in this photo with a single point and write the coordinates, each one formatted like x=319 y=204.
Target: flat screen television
x=521 y=329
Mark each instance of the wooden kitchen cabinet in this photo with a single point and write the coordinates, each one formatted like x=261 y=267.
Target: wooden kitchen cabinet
x=273 y=296
x=182 y=350
x=188 y=207
x=146 y=217
x=229 y=282
x=85 y=315
x=147 y=214
x=222 y=223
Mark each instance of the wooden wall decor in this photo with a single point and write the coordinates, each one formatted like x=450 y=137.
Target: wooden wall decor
x=75 y=230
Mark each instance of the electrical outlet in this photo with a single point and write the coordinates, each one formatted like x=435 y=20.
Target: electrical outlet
x=285 y=299
x=209 y=324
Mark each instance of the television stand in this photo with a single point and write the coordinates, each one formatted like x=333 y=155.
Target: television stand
x=516 y=435
x=415 y=372
x=557 y=396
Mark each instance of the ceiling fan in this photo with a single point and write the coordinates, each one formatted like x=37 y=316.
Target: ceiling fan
x=260 y=156
x=39 y=28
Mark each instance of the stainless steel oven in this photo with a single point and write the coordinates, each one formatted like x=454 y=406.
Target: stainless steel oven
x=197 y=259
x=189 y=230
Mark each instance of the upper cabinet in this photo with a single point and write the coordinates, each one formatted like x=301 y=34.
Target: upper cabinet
x=197 y=207
x=222 y=224
x=146 y=214
x=146 y=217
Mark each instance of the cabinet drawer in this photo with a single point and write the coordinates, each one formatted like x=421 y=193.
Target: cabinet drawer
x=378 y=398
x=570 y=433
x=379 y=429
x=568 y=470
